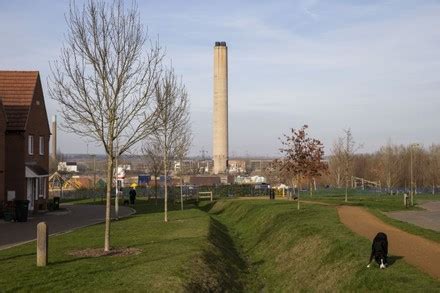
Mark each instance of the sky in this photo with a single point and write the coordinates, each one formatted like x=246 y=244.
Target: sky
x=372 y=66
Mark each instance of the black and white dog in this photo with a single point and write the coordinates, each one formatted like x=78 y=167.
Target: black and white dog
x=379 y=250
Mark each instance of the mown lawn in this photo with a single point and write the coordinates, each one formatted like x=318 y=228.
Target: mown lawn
x=230 y=245
x=162 y=265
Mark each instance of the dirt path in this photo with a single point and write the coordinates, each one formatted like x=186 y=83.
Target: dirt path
x=418 y=251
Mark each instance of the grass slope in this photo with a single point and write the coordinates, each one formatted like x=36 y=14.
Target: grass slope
x=290 y=250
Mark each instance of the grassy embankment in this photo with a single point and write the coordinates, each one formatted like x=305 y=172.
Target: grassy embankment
x=232 y=245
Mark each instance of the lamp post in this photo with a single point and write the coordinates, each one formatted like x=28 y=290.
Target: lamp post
x=412 y=185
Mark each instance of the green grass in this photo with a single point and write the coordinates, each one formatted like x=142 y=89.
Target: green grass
x=162 y=266
x=230 y=245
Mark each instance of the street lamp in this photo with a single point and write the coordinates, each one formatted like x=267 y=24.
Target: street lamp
x=412 y=185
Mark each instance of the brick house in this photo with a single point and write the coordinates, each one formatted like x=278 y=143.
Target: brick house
x=26 y=146
x=2 y=150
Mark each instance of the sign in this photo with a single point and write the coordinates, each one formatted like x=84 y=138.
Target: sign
x=144 y=179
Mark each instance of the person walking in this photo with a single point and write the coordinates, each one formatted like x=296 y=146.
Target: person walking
x=132 y=194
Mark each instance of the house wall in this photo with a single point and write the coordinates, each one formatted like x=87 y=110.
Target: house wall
x=2 y=155
x=38 y=126
x=15 y=168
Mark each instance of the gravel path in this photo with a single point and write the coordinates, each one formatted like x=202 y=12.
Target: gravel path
x=70 y=217
x=418 y=251
x=429 y=218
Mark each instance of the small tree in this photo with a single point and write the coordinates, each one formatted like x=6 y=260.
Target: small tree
x=303 y=157
x=336 y=162
x=152 y=153
x=349 y=148
x=181 y=150
x=172 y=123
x=104 y=80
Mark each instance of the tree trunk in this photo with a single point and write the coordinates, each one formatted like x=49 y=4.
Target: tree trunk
x=155 y=187
x=108 y=202
x=166 y=186
x=181 y=187
x=346 y=189
x=298 y=194
x=116 y=186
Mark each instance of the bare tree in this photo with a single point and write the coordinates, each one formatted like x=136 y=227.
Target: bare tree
x=336 y=163
x=172 y=123
x=104 y=80
x=181 y=150
x=152 y=153
x=389 y=166
x=303 y=156
x=347 y=156
x=434 y=166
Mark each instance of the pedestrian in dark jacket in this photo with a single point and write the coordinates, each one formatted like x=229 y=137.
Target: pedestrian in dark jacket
x=132 y=194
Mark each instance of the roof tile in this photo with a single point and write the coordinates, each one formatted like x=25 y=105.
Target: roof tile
x=16 y=91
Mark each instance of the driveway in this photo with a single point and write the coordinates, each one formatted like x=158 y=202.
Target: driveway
x=68 y=218
x=429 y=218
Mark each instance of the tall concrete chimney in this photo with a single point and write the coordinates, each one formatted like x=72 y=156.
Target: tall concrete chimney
x=53 y=138
x=220 y=113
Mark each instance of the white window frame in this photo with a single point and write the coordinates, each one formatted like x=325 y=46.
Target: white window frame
x=30 y=144
x=41 y=145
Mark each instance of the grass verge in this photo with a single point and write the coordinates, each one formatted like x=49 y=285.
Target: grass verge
x=309 y=249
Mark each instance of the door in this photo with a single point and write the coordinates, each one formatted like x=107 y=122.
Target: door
x=30 y=190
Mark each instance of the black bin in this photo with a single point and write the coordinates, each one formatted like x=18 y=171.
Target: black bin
x=56 y=203
x=21 y=210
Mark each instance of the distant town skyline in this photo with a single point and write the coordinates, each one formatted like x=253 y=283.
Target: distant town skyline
x=372 y=66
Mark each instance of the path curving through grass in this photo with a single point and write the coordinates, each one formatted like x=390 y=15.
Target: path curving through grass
x=416 y=250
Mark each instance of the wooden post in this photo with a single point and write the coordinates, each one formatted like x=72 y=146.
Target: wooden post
x=42 y=244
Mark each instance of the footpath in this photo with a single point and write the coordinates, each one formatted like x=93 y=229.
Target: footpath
x=416 y=250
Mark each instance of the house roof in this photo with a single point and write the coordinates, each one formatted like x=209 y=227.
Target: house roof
x=16 y=92
x=33 y=171
x=2 y=115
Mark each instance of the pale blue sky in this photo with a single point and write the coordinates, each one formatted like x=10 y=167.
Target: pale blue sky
x=373 y=66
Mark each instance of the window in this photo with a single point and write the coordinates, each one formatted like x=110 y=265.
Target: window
x=41 y=145
x=42 y=187
x=31 y=144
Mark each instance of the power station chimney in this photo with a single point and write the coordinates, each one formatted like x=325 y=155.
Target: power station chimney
x=53 y=138
x=220 y=119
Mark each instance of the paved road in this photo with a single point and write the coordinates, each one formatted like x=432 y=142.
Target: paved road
x=416 y=250
x=68 y=218
x=429 y=218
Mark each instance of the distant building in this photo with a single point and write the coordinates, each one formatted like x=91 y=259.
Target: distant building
x=249 y=179
x=237 y=166
x=69 y=167
x=24 y=143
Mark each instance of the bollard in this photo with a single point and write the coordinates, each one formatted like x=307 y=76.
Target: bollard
x=405 y=199
x=42 y=244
